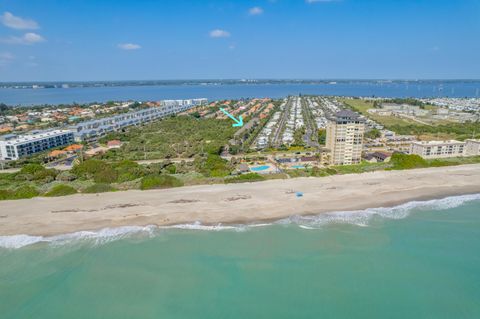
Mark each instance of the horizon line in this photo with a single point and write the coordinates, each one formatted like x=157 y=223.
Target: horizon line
x=244 y=80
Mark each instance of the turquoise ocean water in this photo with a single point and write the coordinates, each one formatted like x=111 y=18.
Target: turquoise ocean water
x=418 y=260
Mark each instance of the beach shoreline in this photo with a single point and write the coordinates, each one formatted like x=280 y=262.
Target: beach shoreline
x=230 y=204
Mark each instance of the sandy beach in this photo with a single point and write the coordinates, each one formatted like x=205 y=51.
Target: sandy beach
x=234 y=203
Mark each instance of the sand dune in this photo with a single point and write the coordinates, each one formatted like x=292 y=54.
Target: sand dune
x=234 y=203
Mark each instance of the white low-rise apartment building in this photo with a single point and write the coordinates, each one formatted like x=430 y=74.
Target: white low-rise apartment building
x=98 y=127
x=472 y=147
x=187 y=102
x=445 y=149
x=13 y=147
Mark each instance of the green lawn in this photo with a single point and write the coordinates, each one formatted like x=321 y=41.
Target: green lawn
x=439 y=130
x=362 y=106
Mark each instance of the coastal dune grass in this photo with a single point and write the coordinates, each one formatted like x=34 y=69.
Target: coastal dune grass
x=37 y=181
x=403 y=161
x=61 y=190
x=99 y=188
x=159 y=181
x=21 y=192
x=250 y=177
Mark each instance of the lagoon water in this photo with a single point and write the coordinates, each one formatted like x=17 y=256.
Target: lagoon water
x=413 y=261
x=12 y=96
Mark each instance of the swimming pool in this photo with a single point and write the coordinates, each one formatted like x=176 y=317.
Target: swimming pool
x=259 y=168
x=298 y=166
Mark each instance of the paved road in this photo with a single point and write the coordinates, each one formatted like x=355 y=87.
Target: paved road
x=9 y=170
x=310 y=136
x=277 y=140
x=173 y=160
x=247 y=126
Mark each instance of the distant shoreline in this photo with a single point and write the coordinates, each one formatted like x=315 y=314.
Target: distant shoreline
x=119 y=83
x=235 y=203
x=28 y=96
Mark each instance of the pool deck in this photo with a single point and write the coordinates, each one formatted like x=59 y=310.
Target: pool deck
x=270 y=168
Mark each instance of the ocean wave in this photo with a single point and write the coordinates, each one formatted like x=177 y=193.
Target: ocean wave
x=18 y=241
x=199 y=226
x=363 y=217
x=101 y=236
x=359 y=218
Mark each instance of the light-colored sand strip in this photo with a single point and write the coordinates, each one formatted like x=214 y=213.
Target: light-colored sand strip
x=234 y=203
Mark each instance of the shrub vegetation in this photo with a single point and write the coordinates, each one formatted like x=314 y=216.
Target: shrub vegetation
x=179 y=136
x=25 y=191
x=61 y=190
x=99 y=188
x=99 y=171
x=404 y=161
x=159 y=181
x=249 y=177
x=212 y=166
x=21 y=192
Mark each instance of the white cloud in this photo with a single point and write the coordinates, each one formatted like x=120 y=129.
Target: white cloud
x=255 y=11
x=26 y=39
x=6 y=58
x=129 y=46
x=31 y=37
x=218 y=33
x=11 y=21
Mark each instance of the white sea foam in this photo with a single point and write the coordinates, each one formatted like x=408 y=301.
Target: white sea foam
x=359 y=218
x=102 y=236
x=18 y=241
x=96 y=237
x=198 y=226
x=363 y=217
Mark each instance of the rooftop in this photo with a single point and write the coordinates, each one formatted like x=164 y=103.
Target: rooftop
x=36 y=135
x=437 y=142
x=347 y=116
x=73 y=147
x=56 y=153
x=114 y=143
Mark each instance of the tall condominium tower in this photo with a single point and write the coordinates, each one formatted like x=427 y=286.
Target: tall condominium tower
x=345 y=138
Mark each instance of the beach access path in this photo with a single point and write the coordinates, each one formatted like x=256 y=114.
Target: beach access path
x=234 y=203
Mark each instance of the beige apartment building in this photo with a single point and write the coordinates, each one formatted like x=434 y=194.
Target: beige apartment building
x=438 y=149
x=345 y=138
x=445 y=149
x=472 y=147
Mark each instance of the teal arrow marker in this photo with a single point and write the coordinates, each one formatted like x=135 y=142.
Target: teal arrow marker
x=238 y=123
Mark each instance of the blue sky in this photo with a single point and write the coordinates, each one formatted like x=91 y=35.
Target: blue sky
x=52 y=40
